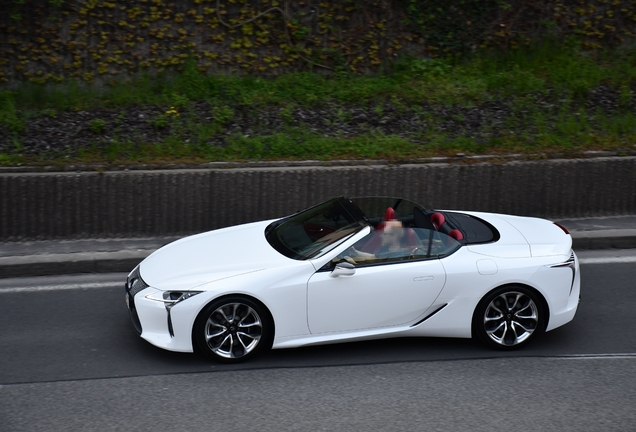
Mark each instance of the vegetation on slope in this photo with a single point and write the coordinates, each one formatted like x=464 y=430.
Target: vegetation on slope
x=548 y=99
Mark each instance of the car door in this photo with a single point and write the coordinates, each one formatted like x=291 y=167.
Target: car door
x=376 y=296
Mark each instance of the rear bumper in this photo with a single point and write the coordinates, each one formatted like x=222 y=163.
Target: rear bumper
x=563 y=306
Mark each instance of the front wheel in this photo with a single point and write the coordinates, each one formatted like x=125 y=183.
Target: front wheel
x=233 y=329
x=509 y=317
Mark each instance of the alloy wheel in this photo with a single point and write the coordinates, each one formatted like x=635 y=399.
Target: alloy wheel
x=233 y=330
x=511 y=318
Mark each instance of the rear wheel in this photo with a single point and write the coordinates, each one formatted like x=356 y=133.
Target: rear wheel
x=509 y=317
x=233 y=329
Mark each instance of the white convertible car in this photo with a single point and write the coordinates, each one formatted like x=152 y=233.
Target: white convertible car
x=356 y=269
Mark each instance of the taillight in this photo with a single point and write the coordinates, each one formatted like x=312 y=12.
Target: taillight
x=562 y=227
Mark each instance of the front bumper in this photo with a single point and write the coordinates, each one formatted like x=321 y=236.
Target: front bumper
x=134 y=284
x=151 y=320
x=172 y=332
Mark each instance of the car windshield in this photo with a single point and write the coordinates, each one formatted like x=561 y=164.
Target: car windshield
x=317 y=230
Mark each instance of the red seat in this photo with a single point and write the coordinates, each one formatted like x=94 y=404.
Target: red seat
x=410 y=239
x=456 y=234
x=438 y=220
x=389 y=214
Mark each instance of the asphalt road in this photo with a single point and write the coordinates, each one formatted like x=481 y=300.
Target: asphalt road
x=70 y=360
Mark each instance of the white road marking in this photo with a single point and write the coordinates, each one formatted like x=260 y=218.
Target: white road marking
x=96 y=285
x=608 y=260
x=595 y=356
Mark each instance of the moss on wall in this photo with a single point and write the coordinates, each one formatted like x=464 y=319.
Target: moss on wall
x=46 y=42
x=54 y=40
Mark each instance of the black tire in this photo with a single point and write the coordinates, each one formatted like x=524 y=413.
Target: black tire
x=233 y=329
x=509 y=317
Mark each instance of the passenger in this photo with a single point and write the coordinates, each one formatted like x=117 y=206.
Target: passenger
x=393 y=245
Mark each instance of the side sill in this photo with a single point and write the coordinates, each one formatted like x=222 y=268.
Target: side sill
x=429 y=315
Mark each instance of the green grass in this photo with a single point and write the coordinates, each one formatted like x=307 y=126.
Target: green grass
x=294 y=144
x=555 y=67
x=546 y=86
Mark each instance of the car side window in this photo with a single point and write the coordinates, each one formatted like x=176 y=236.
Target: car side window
x=442 y=245
x=395 y=244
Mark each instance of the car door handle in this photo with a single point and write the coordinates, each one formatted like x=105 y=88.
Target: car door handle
x=423 y=278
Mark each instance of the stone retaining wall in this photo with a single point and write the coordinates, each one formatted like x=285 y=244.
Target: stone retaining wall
x=174 y=202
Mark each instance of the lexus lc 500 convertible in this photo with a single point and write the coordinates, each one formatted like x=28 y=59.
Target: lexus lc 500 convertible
x=356 y=269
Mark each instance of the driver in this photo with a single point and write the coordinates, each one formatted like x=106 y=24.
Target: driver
x=392 y=245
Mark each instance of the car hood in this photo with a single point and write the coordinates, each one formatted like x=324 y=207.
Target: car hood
x=214 y=255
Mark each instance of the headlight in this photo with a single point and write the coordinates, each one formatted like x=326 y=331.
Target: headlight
x=171 y=298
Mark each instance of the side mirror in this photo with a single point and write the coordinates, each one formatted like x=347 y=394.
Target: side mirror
x=343 y=269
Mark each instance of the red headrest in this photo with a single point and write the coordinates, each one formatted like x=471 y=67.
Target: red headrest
x=438 y=220
x=456 y=234
x=390 y=214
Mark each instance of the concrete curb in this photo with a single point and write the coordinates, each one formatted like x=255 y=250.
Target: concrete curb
x=605 y=239
x=457 y=158
x=59 y=264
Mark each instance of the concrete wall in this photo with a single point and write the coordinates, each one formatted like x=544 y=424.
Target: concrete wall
x=169 y=202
